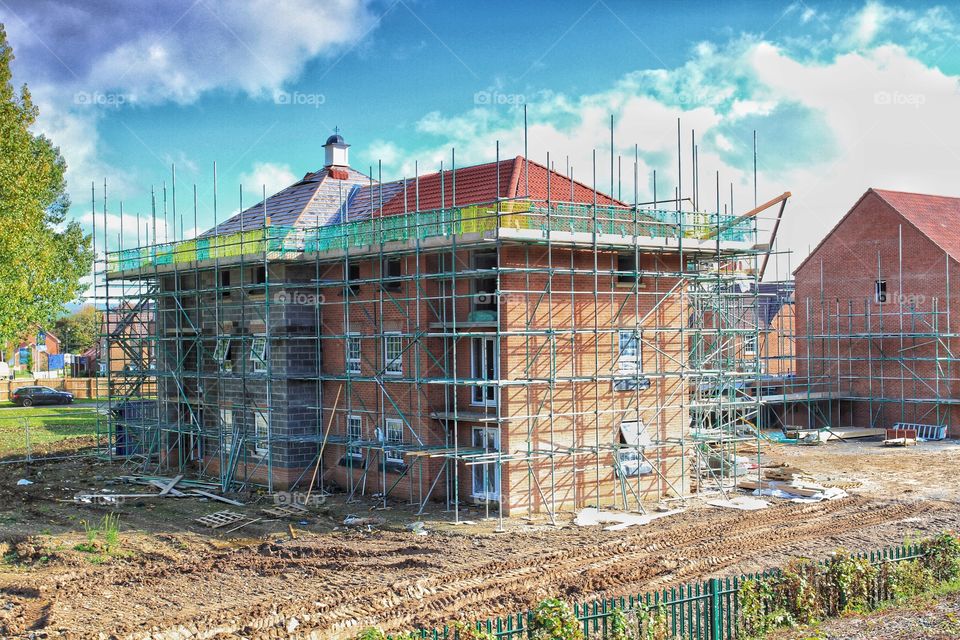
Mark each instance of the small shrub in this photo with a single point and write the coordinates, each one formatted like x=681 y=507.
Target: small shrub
x=909 y=578
x=620 y=627
x=654 y=624
x=553 y=619
x=852 y=580
x=465 y=631
x=941 y=555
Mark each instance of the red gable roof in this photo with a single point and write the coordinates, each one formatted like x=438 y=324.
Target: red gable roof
x=937 y=217
x=478 y=184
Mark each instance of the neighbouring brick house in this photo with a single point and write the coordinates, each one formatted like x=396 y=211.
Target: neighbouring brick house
x=496 y=334
x=875 y=311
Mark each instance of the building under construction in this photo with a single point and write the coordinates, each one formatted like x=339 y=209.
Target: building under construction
x=869 y=340
x=499 y=335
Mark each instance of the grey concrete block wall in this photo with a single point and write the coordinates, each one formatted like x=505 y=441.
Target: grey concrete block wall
x=285 y=315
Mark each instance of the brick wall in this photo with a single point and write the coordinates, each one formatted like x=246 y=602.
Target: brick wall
x=835 y=293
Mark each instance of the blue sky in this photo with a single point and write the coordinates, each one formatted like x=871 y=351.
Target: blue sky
x=843 y=96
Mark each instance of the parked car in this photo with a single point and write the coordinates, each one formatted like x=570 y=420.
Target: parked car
x=29 y=396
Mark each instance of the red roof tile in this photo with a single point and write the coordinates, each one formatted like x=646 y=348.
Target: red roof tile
x=478 y=184
x=937 y=217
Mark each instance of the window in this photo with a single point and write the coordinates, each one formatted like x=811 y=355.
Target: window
x=352 y=272
x=221 y=351
x=486 y=477
x=225 y=282
x=485 y=286
x=261 y=433
x=226 y=428
x=258 y=354
x=392 y=268
x=750 y=345
x=880 y=291
x=353 y=353
x=354 y=433
x=483 y=362
x=394 y=428
x=627 y=262
x=393 y=354
x=259 y=275
x=629 y=348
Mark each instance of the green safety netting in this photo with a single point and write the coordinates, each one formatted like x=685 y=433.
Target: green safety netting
x=442 y=222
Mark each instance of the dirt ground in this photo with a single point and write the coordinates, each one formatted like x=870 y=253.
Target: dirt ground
x=172 y=578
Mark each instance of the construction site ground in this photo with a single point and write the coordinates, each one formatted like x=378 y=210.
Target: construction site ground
x=170 y=577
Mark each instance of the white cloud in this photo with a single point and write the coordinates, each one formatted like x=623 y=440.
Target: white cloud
x=90 y=58
x=828 y=127
x=269 y=175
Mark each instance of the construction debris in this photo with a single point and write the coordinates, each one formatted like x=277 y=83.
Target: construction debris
x=743 y=503
x=167 y=488
x=590 y=517
x=358 y=521
x=294 y=511
x=795 y=490
x=222 y=519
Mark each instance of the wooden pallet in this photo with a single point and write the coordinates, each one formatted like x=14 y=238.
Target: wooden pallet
x=287 y=511
x=220 y=519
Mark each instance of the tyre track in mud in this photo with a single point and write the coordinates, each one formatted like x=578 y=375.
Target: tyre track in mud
x=334 y=604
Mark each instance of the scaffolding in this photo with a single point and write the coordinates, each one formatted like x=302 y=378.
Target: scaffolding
x=521 y=355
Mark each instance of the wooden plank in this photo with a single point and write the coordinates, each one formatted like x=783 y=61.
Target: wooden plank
x=241 y=526
x=213 y=496
x=169 y=487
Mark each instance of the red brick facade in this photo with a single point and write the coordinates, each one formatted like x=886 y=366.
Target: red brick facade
x=882 y=362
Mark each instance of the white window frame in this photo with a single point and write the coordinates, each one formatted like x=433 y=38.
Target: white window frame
x=394 y=426
x=393 y=366
x=258 y=354
x=750 y=342
x=226 y=421
x=221 y=351
x=479 y=471
x=354 y=432
x=353 y=363
x=260 y=422
x=633 y=362
x=480 y=395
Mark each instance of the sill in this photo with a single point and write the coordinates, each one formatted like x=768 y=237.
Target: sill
x=483 y=498
x=393 y=374
x=630 y=285
x=474 y=403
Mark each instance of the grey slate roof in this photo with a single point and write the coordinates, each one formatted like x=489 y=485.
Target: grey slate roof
x=317 y=200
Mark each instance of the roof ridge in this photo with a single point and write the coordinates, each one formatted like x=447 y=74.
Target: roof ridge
x=914 y=193
x=513 y=184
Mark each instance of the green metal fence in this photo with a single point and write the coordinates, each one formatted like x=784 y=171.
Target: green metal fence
x=707 y=610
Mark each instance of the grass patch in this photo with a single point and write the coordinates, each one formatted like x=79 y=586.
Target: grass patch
x=46 y=424
x=103 y=539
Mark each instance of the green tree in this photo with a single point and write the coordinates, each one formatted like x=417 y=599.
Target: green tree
x=80 y=330
x=42 y=255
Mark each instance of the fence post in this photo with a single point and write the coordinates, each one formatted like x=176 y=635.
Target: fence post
x=716 y=628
